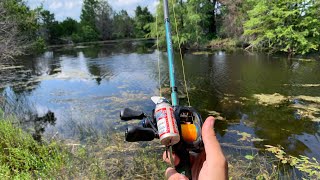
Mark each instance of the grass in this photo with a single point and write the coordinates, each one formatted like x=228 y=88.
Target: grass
x=21 y=157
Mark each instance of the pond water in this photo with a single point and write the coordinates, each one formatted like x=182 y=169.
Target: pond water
x=86 y=87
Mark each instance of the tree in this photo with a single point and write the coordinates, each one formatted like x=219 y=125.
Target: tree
x=188 y=18
x=289 y=26
x=104 y=18
x=88 y=14
x=142 y=20
x=123 y=25
x=197 y=21
x=69 y=26
x=231 y=17
x=18 y=28
x=50 y=29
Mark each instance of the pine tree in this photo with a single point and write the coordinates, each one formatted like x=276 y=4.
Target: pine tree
x=286 y=25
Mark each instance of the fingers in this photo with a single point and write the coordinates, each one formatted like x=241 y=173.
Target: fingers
x=211 y=144
x=172 y=174
x=166 y=158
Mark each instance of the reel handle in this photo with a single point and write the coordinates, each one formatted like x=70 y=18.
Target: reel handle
x=136 y=133
x=184 y=167
x=128 y=114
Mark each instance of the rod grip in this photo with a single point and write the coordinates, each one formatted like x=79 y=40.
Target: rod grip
x=136 y=133
x=184 y=167
x=128 y=114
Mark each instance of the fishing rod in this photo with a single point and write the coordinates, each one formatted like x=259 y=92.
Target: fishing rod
x=177 y=127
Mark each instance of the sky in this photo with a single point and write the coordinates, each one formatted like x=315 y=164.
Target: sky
x=72 y=8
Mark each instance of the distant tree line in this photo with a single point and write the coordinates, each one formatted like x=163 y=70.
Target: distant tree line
x=291 y=26
x=98 y=22
x=276 y=25
x=23 y=29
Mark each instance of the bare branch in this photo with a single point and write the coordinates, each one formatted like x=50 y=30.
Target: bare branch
x=11 y=42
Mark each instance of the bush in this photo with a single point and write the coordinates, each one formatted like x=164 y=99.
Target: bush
x=21 y=157
x=39 y=46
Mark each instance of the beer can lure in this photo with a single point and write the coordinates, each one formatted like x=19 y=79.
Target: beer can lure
x=167 y=125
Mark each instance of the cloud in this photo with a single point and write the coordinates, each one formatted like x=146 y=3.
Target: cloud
x=130 y=5
x=124 y=2
x=55 y=5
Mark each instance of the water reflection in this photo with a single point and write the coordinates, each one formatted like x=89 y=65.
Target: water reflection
x=30 y=117
x=86 y=87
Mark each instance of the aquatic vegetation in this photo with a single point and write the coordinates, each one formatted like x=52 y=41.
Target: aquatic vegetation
x=270 y=99
x=202 y=53
x=303 y=60
x=310 y=108
x=216 y=115
x=223 y=43
x=231 y=100
x=262 y=165
x=309 y=166
x=2 y=67
x=308 y=98
x=245 y=136
x=310 y=111
x=303 y=85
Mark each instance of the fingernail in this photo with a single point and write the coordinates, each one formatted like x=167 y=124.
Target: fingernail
x=212 y=123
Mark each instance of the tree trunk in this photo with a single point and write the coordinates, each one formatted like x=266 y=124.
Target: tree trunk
x=213 y=25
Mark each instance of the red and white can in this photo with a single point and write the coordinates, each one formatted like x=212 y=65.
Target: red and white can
x=167 y=124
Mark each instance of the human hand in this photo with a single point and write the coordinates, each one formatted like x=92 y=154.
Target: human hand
x=209 y=164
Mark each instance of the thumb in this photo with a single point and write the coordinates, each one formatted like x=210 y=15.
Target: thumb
x=211 y=144
x=172 y=174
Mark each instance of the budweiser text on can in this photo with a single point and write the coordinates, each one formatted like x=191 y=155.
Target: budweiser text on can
x=167 y=125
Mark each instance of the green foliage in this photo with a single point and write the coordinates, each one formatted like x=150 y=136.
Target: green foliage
x=231 y=17
x=142 y=18
x=86 y=34
x=88 y=13
x=18 y=28
x=22 y=157
x=289 y=26
x=50 y=29
x=104 y=18
x=23 y=16
x=39 y=45
x=311 y=167
x=223 y=43
x=188 y=19
x=123 y=25
x=69 y=26
x=249 y=157
x=286 y=25
x=88 y=21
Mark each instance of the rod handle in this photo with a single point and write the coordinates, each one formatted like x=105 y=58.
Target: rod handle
x=136 y=133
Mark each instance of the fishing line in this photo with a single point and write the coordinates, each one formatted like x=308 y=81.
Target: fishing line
x=169 y=148
x=181 y=56
x=158 y=53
